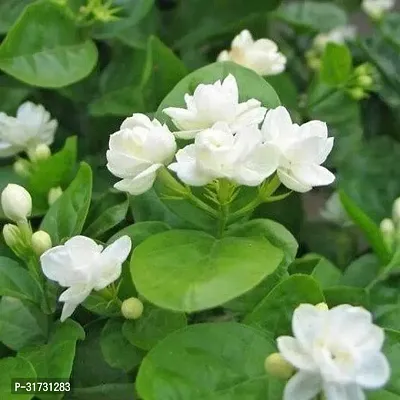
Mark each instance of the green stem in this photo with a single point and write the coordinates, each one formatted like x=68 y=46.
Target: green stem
x=201 y=204
x=384 y=274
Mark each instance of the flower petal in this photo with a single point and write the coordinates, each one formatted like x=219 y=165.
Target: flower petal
x=137 y=119
x=302 y=386
x=312 y=174
x=140 y=183
x=374 y=371
x=291 y=182
x=277 y=124
x=293 y=353
x=336 y=391
x=82 y=250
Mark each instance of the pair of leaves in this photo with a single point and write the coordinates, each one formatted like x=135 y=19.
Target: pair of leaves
x=54 y=54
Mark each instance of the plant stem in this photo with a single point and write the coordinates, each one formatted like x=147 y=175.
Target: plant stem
x=384 y=274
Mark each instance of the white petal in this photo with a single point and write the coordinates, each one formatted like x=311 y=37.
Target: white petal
x=292 y=183
x=277 y=123
x=187 y=135
x=118 y=250
x=135 y=120
x=140 y=183
x=125 y=166
x=72 y=297
x=306 y=322
x=224 y=56
x=82 y=250
x=313 y=129
x=374 y=371
x=312 y=150
x=312 y=174
x=230 y=87
x=184 y=119
x=67 y=310
x=335 y=391
x=293 y=353
x=243 y=40
x=302 y=386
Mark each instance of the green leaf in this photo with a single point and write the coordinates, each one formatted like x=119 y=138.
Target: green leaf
x=140 y=231
x=191 y=271
x=10 y=11
x=13 y=92
x=285 y=88
x=336 y=64
x=280 y=237
x=107 y=391
x=347 y=295
x=367 y=225
x=54 y=359
x=56 y=170
x=116 y=349
x=14 y=368
x=207 y=361
x=322 y=270
x=21 y=324
x=40 y=58
x=154 y=325
x=361 y=271
x=313 y=16
x=15 y=281
x=249 y=83
x=274 y=313
x=107 y=212
x=67 y=215
x=193 y=23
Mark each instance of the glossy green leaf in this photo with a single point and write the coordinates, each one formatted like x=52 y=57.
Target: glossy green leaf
x=15 y=281
x=191 y=271
x=54 y=42
x=311 y=15
x=98 y=304
x=109 y=211
x=154 y=325
x=116 y=349
x=347 y=295
x=55 y=358
x=140 y=231
x=336 y=64
x=367 y=225
x=106 y=391
x=322 y=270
x=21 y=323
x=207 y=361
x=14 y=368
x=361 y=271
x=67 y=215
x=10 y=10
x=274 y=313
x=13 y=93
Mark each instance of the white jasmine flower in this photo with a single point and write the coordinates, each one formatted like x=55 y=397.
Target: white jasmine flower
x=334 y=211
x=339 y=35
x=302 y=150
x=31 y=127
x=16 y=202
x=82 y=265
x=376 y=8
x=336 y=351
x=218 y=102
x=262 y=56
x=137 y=151
x=218 y=153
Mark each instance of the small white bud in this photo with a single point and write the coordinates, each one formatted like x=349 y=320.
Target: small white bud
x=277 y=366
x=21 y=168
x=39 y=153
x=11 y=234
x=387 y=227
x=396 y=211
x=132 y=308
x=54 y=194
x=41 y=242
x=16 y=202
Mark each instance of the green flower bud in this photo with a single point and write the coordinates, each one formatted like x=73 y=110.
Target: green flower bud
x=357 y=93
x=39 y=153
x=41 y=242
x=365 y=81
x=16 y=202
x=132 y=308
x=54 y=194
x=12 y=235
x=388 y=232
x=22 y=168
x=278 y=367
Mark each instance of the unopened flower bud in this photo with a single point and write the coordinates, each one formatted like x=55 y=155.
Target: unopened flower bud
x=396 y=211
x=16 y=202
x=365 y=81
x=22 y=168
x=388 y=232
x=277 y=366
x=54 y=194
x=357 y=93
x=39 y=153
x=11 y=234
x=132 y=308
x=41 y=242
